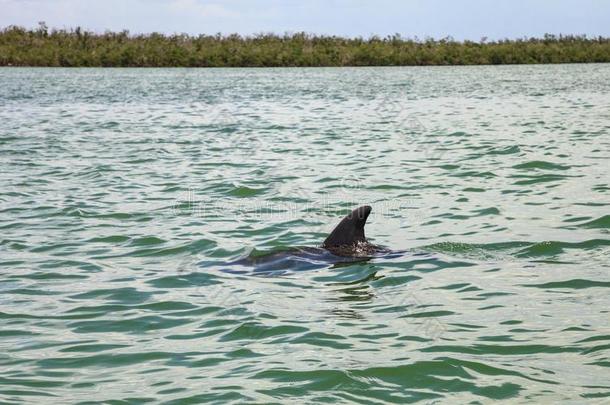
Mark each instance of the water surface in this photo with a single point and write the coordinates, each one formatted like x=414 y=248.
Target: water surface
x=126 y=194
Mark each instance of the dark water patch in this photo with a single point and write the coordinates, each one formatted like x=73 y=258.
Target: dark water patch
x=576 y=219
x=50 y=276
x=487 y=211
x=255 y=331
x=540 y=164
x=194 y=247
x=601 y=188
x=598 y=223
x=605 y=394
x=135 y=325
x=212 y=397
x=65 y=247
x=109 y=239
x=26 y=394
x=16 y=332
x=595 y=338
x=494 y=294
x=104 y=360
x=246 y=192
x=471 y=173
x=429 y=314
x=576 y=284
x=185 y=280
x=511 y=322
x=89 y=213
x=448 y=167
x=488 y=307
x=29 y=291
x=502 y=350
x=414 y=382
x=388 y=281
x=139 y=161
x=199 y=335
x=554 y=248
x=453 y=286
x=575 y=329
x=601 y=348
x=91 y=348
x=543 y=178
x=126 y=294
x=508 y=150
x=466 y=327
x=147 y=241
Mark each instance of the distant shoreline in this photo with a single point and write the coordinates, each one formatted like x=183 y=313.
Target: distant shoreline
x=42 y=47
x=292 y=67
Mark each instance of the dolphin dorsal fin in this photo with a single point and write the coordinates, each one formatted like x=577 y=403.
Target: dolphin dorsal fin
x=350 y=230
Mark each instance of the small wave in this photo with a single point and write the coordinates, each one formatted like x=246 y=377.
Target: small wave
x=244 y=192
x=598 y=223
x=553 y=248
x=509 y=150
x=477 y=250
x=539 y=164
x=194 y=247
x=543 y=178
x=576 y=284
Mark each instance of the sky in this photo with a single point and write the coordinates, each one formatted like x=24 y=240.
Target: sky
x=465 y=19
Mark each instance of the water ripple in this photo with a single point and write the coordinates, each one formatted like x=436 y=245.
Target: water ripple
x=160 y=234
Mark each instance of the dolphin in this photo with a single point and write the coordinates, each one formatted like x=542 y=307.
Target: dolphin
x=345 y=244
x=348 y=239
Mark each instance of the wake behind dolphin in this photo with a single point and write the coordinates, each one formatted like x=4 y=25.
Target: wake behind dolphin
x=346 y=244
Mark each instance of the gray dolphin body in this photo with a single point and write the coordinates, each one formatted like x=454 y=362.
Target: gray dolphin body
x=345 y=244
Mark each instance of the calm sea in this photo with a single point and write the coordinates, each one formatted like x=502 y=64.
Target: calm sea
x=126 y=194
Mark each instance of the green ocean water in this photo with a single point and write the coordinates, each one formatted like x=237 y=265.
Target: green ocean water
x=127 y=194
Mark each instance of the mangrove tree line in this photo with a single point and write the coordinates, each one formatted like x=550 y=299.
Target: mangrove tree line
x=77 y=47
